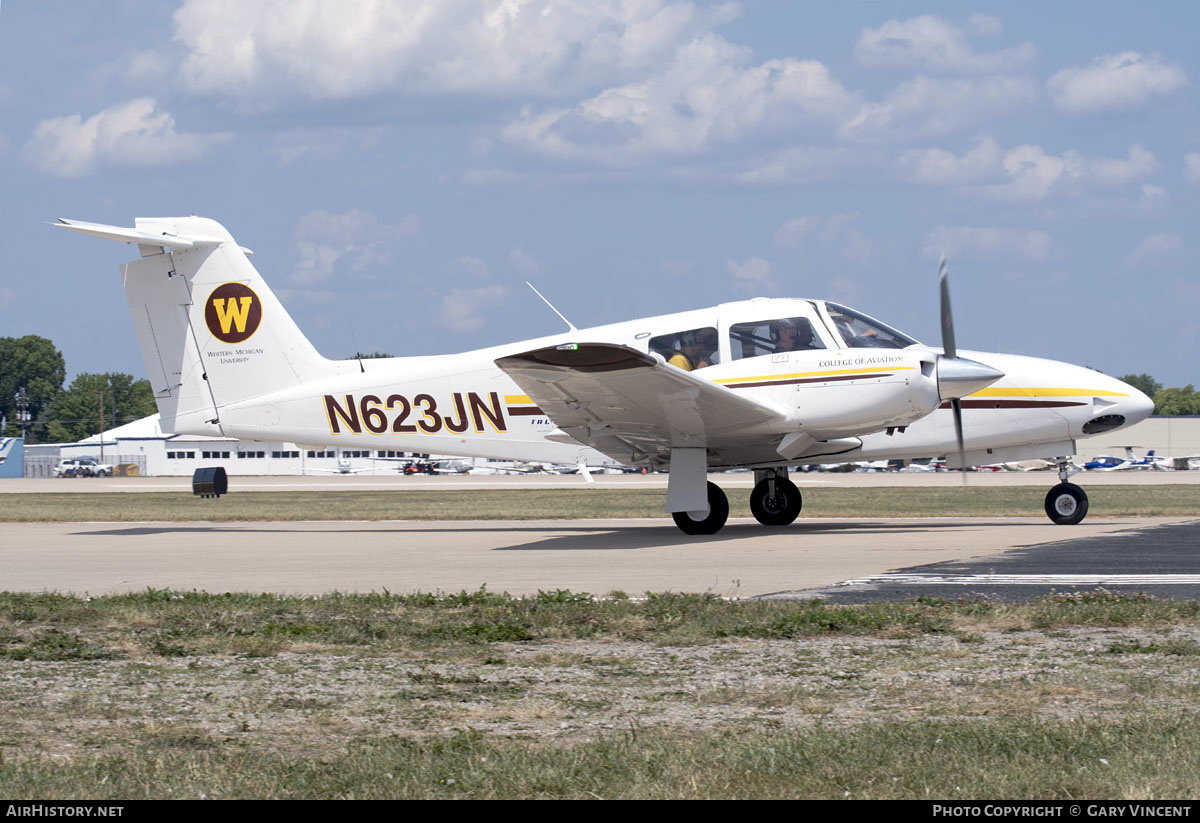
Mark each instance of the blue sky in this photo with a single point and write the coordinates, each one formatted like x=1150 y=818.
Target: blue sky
x=401 y=168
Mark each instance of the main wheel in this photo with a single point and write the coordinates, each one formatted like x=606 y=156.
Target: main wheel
x=718 y=513
x=1066 y=504
x=779 y=508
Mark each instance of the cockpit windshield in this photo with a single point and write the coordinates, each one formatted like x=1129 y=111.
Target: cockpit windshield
x=861 y=332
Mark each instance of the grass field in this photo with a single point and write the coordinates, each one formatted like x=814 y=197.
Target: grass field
x=567 y=695
x=165 y=694
x=538 y=504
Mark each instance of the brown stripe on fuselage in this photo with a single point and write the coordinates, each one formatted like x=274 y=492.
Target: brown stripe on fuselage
x=518 y=411
x=1013 y=404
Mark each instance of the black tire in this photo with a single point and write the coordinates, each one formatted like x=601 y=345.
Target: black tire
x=779 y=509
x=718 y=513
x=1066 y=504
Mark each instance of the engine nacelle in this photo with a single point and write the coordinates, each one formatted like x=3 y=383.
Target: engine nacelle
x=876 y=390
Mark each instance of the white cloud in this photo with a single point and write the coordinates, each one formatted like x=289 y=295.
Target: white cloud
x=838 y=233
x=127 y=134
x=524 y=262
x=794 y=231
x=351 y=242
x=985 y=25
x=1152 y=196
x=472 y=267
x=1191 y=168
x=930 y=42
x=752 y=274
x=926 y=106
x=328 y=142
x=331 y=49
x=1157 y=250
x=980 y=242
x=808 y=164
x=939 y=167
x=1033 y=174
x=1115 y=81
x=461 y=308
x=709 y=95
x=1026 y=173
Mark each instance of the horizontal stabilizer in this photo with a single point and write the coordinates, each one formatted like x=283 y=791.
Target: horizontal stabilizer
x=142 y=238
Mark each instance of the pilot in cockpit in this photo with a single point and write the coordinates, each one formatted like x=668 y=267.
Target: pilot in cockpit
x=697 y=349
x=789 y=335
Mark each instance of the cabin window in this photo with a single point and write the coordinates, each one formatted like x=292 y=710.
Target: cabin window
x=782 y=334
x=861 y=332
x=691 y=349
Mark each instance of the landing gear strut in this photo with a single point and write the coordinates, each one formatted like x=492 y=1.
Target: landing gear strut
x=775 y=500
x=709 y=522
x=1066 y=503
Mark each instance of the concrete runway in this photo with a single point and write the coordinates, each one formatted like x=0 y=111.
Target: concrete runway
x=597 y=556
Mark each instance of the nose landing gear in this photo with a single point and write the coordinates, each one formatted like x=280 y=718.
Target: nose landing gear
x=1066 y=503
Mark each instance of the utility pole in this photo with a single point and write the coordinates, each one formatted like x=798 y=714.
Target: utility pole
x=102 y=425
x=22 y=411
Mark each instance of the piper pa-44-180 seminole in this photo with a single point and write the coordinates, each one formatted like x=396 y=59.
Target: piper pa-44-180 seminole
x=762 y=384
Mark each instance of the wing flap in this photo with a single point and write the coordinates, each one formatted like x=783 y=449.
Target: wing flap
x=632 y=406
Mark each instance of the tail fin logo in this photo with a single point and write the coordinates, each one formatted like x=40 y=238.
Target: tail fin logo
x=233 y=312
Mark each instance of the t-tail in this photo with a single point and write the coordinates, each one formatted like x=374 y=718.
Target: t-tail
x=211 y=331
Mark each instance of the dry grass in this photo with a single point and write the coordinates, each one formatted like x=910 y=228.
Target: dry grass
x=532 y=504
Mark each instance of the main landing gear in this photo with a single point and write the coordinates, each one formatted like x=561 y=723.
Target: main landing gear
x=1066 y=503
x=701 y=507
x=709 y=522
x=775 y=500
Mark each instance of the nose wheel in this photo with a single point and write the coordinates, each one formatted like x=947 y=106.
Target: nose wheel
x=1066 y=504
x=775 y=501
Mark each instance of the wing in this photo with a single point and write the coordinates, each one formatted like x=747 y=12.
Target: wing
x=635 y=408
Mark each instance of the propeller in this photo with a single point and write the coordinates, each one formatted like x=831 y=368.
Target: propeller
x=958 y=376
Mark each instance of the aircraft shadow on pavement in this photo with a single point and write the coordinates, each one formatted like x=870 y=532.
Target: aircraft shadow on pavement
x=580 y=536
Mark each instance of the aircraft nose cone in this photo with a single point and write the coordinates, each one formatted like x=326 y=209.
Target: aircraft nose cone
x=1121 y=405
x=958 y=376
x=1137 y=407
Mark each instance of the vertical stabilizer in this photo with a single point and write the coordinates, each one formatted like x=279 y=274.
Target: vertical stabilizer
x=212 y=333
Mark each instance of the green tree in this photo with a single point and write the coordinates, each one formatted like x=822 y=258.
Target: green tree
x=32 y=363
x=75 y=413
x=1177 y=401
x=1144 y=383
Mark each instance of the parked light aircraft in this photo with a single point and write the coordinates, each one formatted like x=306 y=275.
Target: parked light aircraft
x=791 y=382
x=1108 y=463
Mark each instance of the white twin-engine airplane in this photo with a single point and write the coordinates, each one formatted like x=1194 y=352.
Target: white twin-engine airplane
x=763 y=383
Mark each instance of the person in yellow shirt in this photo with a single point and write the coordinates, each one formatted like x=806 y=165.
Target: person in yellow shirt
x=697 y=349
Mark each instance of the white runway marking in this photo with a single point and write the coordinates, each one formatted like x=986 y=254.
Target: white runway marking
x=1028 y=580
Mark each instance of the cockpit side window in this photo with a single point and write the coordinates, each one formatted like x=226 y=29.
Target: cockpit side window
x=689 y=350
x=783 y=334
x=861 y=332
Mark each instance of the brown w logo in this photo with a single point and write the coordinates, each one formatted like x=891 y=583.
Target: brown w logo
x=233 y=312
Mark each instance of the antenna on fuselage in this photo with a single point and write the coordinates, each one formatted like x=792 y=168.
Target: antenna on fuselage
x=570 y=325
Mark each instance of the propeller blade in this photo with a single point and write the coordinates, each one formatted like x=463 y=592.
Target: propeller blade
x=956 y=405
x=951 y=351
x=967 y=373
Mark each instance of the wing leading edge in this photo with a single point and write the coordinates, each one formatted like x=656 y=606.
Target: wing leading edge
x=635 y=408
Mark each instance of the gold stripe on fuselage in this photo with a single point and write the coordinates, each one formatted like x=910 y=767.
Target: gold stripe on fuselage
x=793 y=376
